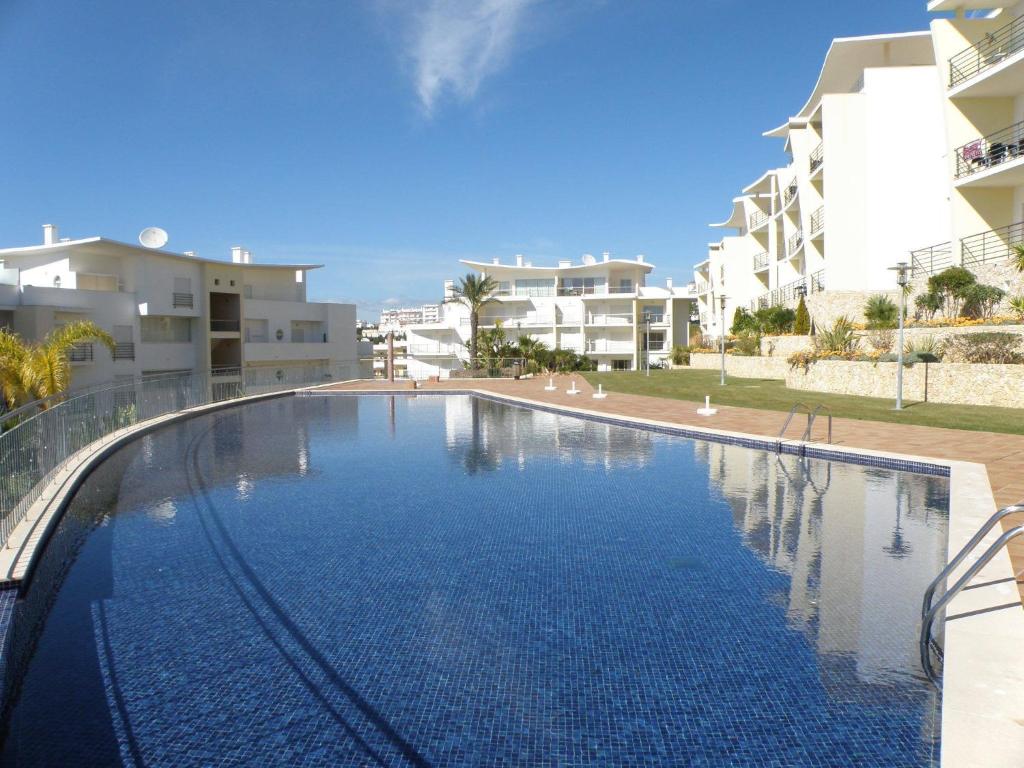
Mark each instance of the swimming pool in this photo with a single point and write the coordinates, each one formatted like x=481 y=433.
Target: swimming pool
x=448 y=580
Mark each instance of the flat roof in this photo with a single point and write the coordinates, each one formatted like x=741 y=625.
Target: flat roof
x=485 y=265
x=88 y=244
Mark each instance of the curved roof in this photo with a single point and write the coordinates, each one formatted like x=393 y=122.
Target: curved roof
x=848 y=57
x=737 y=219
x=487 y=265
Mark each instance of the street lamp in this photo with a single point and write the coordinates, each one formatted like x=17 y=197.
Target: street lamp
x=647 y=346
x=902 y=270
x=721 y=320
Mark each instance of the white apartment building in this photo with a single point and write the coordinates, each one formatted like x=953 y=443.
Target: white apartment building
x=393 y=319
x=171 y=312
x=864 y=186
x=601 y=308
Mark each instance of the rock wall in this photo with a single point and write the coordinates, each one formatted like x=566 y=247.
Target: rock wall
x=828 y=306
x=957 y=383
x=742 y=367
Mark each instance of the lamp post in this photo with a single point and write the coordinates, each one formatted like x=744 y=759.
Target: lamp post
x=721 y=320
x=647 y=345
x=902 y=270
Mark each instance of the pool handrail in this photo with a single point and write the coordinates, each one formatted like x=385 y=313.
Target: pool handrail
x=925 y=641
x=811 y=416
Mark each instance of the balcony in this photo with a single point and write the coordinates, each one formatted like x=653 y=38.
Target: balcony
x=817 y=158
x=124 y=350
x=225 y=371
x=610 y=318
x=761 y=261
x=223 y=326
x=654 y=318
x=82 y=352
x=182 y=300
x=992 y=66
x=794 y=243
x=818 y=221
x=603 y=347
x=931 y=260
x=758 y=219
x=428 y=350
x=789 y=194
x=817 y=282
x=513 y=321
x=990 y=160
x=994 y=245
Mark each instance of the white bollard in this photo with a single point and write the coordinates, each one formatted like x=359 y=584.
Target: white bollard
x=572 y=390
x=707 y=410
x=600 y=394
x=551 y=385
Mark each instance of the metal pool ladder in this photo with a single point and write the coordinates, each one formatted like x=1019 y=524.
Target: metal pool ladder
x=930 y=612
x=812 y=414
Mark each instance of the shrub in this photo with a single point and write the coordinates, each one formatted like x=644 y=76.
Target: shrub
x=981 y=300
x=776 y=319
x=801 y=359
x=742 y=320
x=881 y=339
x=1017 y=305
x=1018 y=257
x=951 y=286
x=928 y=304
x=802 y=321
x=881 y=312
x=680 y=355
x=990 y=347
x=923 y=349
x=747 y=343
x=840 y=338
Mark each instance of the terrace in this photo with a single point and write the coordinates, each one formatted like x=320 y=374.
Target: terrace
x=993 y=160
x=993 y=66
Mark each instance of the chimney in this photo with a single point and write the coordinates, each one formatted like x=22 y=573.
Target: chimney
x=668 y=283
x=49 y=234
x=519 y=259
x=640 y=258
x=449 y=289
x=605 y=256
x=564 y=263
x=247 y=257
x=190 y=254
x=236 y=254
x=496 y=260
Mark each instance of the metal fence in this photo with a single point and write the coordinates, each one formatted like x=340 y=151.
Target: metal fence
x=990 y=151
x=994 y=48
x=994 y=245
x=39 y=438
x=931 y=260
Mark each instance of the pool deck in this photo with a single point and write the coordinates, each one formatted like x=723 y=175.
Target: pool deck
x=1001 y=454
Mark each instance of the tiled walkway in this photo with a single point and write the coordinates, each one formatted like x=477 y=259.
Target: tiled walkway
x=1002 y=455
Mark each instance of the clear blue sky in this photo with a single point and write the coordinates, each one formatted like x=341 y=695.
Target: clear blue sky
x=389 y=138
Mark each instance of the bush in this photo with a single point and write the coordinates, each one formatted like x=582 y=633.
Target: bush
x=928 y=304
x=1018 y=257
x=840 y=338
x=1017 y=305
x=991 y=347
x=742 y=321
x=981 y=300
x=881 y=339
x=951 y=287
x=802 y=320
x=881 y=312
x=924 y=349
x=774 y=320
x=747 y=344
x=680 y=355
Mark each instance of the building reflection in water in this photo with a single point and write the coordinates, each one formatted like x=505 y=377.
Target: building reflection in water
x=859 y=544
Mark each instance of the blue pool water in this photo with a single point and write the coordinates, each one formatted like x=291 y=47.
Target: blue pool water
x=442 y=581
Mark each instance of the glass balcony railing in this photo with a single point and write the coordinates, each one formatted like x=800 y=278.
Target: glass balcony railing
x=990 y=151
x=991 y=50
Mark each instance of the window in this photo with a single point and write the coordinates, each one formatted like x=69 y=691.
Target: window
x=621 y=365
x=161 y=329
x=537 y=287
x=625 y=285
x=582 y=286
x=657 y=341
x=504 y=288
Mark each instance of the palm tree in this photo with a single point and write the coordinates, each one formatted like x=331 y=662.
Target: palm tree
x=1018 y=257
x=529 y=347
x=36 y=371
x=474 y=291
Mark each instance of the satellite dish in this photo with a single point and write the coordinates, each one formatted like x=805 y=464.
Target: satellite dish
x=153 y=237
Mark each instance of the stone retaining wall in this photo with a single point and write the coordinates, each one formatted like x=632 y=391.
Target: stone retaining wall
x=957 y=383
x=744 y=367
x=784 y=346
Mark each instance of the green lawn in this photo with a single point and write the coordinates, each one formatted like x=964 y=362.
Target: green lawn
x=773 y=395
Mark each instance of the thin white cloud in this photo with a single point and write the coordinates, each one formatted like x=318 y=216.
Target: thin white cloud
x=454 y=45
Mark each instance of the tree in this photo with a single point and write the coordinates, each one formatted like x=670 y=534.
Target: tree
x=35 y=371
x=742 y=321
x=981 y=300
x=775 y=319
x=881 y=312
x=802 y=322
x=951 y=287
x=474 y=291
x=1018 y=257
x=530 y=348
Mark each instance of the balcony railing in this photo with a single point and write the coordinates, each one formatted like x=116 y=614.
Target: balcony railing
x=817 y=157
x=124 y=350
x=789 y=194
x=610 y=347
x=223 y=371
x=794 y=243
x=788 y=293
x=224 y=325
x=610 y=318
x=758 y=218
x=818 y=220
x=986 y=53
x=652 y=317
x=760 y=261
x=817 y=281
x=182 y=300
x=994 y=245
x=81 y=352
x=931 y=260
x=990 y=151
